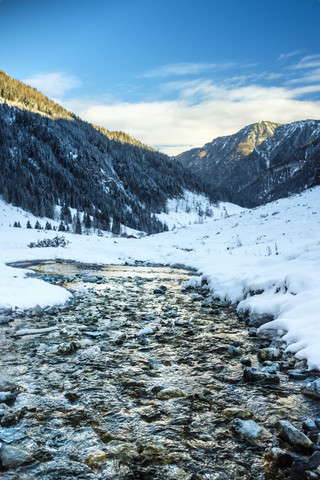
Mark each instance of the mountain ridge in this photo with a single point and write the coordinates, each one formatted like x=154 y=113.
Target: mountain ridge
x=58 y=159
x=261 y=162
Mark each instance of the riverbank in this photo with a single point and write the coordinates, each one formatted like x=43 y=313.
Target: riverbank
x=265 y=260
x=141 y=377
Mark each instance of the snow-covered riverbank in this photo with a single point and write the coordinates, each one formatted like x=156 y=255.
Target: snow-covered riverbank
x=266 y=260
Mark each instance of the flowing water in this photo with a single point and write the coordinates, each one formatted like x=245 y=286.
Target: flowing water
x=136 y=379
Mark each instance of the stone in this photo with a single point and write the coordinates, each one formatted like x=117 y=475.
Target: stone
x=196 y=298
x=269 y=354
x=312 y=389
x=252 y=332
x=309 y=425
x=257 y=319
x=297 y=374
x=267 y=334
x=292 y=435
x=68 y=348
x=234 y=351
x=4 y=319
x=314 y=461
x=241 y=413
x=168 y=393
x=250 y=431
x=282 y=458
x=95 y=459
x=253 y=375
x=13 y=457
x=124 y=451
x=7 y=397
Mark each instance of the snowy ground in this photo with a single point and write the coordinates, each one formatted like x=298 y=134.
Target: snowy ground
x=272 y=250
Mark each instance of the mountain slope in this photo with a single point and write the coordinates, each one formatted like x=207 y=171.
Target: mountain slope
x=260 y=163
x=50 y=157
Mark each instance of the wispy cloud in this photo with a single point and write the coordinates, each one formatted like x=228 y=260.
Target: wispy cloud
x=285 y=56
x=202 y=111
x=53 y=84
x=310 y=61
x=179 y=69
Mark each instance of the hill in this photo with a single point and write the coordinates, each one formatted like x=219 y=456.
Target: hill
x=50 y=158
x=262 y=162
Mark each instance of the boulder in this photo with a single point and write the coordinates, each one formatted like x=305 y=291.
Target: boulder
x=250 y=431
x=292 y=435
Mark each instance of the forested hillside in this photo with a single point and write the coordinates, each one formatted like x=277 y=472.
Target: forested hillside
x=49 y=157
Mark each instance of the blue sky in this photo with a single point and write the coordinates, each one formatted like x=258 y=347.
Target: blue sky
x=173 y=73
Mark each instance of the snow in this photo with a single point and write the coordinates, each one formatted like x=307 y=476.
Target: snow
x=193 y=208
x=264 y=260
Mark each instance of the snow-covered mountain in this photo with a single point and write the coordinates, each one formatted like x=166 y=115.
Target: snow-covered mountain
x=50 y=158
x=262 y=162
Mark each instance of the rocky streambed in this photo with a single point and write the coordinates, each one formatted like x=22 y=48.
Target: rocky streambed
x=137 y=378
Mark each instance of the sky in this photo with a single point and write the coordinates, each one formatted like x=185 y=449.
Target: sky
x=175 y=74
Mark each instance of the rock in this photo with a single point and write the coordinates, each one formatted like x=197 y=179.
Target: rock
x=269 y=354
x=241 y=413
x=88 y=279
x=7 y=397
x=267 y=334
x=297 y=374
x=312 y=389
x=34 y=331
x=95 y=459
x=310 y=425
x=246 y=362
x=252 y=332
x=156 y=453
x=145 y=331
x=250 y=431
x=251 y=374
x=292 y=435
x=160 y=290
x=197 y=298
x=234 y=351
x=257 y=319
x=123 y=451
x=13 y=457
x=282 y=458
x=68 y=348
x=4 y=319
x=168 y=393
x=314 y=461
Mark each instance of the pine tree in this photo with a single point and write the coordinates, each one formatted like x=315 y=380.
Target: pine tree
x=48 y=226
x=37 y=225
x=116 y=227
x=78 y=229
x=29 y=224
x=61 y=227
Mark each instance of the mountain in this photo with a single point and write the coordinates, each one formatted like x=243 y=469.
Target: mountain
x=262 y=162
x=53 y=161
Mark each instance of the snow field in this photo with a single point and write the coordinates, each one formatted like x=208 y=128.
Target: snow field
x=264 y=260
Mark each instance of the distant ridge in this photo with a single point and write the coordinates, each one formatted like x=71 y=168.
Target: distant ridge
x=262 y=162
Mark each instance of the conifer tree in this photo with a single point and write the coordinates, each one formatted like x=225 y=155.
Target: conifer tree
x=78 y=229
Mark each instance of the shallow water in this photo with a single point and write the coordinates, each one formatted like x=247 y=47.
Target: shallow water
x=98 y=399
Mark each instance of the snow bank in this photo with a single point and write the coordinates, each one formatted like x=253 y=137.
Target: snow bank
x=266 y=260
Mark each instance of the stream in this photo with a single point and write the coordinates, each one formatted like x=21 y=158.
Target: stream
x=137 y=378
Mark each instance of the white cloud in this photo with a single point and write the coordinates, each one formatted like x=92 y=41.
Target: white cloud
x=201 y=112
x=310 y=61
x=53 y=84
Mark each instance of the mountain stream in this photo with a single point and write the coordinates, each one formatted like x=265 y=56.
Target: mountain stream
x=137 y=378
